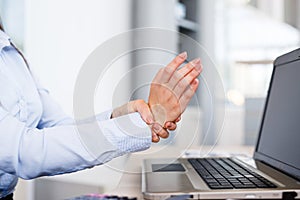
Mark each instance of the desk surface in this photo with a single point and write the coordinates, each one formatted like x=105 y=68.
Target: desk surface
x=130 y=183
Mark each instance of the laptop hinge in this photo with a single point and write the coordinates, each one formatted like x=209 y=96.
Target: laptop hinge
x=289 y=195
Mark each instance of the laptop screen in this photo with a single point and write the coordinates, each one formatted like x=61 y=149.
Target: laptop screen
x=279 y=140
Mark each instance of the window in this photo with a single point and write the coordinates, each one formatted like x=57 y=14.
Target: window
x=249 y=37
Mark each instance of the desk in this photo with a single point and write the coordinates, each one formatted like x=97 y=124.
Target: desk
x=130 y=183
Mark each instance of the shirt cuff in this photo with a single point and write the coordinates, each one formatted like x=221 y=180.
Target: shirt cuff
x=128 y=133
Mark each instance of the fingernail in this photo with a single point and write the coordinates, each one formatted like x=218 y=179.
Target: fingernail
x=167 y=124
x=156 y=127
x=199 y=68
x=195 y=62
x=195 y=82
x=183 y=55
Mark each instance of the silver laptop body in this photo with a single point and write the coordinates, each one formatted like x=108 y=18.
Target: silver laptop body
x=276 y=157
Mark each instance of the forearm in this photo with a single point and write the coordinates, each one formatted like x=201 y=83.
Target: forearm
x=29 y=152
x=139 y=106
x=124 y=109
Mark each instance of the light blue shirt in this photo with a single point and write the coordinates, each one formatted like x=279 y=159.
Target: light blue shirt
x=38 y=139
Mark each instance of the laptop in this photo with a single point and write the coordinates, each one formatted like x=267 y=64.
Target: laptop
x=274 y=170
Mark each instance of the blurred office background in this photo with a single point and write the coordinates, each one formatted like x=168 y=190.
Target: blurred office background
x=242 y=38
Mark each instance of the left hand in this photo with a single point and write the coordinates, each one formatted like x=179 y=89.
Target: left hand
x=172 y=89
x=143 y=109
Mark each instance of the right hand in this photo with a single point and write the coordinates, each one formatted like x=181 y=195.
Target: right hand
x=143 y=109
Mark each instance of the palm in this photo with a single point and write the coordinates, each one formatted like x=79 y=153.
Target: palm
x=173 y=88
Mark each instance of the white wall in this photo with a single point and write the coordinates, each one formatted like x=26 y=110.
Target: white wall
x=60 y=35
x=155 y=14
x=274 y=9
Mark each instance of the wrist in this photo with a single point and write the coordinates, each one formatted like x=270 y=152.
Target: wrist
x=159 y=114
x=127 y=108
x=136 y=104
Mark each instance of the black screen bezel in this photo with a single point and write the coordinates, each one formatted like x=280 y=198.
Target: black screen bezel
x=288 y=169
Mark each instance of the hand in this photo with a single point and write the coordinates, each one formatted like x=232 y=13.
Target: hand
x=173 y=88
x=142 y=107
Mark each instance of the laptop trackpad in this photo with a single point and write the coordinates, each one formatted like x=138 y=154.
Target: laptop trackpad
x=167 y=168
x=168 y=178
x=168 y=182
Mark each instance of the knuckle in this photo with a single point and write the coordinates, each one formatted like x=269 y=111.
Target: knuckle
x=155 y=140
x=164 y=134
x=173 y=126
x=178 y=75
x=177 y=107
x=177 y=61
x=154 y=85
x=196 y=73
x=188 y=95
x=168 y=71
x=189 y=67
x=181 y=85
x=191 y=76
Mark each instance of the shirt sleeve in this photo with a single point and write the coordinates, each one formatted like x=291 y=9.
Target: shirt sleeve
x=31 y=152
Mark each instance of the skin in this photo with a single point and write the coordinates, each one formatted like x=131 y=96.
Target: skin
x=170 y=92
x=172 y=89
x=143 y=109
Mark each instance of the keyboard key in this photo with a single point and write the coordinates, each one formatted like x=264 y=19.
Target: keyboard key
x=224 y=173
x=211 y=180
x=221 y=187
x=214 y=184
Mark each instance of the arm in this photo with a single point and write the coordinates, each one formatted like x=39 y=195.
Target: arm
x=31 y=152
x=53 y=115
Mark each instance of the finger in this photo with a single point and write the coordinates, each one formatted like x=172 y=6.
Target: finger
x=184 y=71
x=184 y=83
x=170 y=126
x=160 y=131
x=172 y=67
x=155 y=137
x=178 y=119
x=142 y=107
x=158 y=76
x=163 y=133
x=188 y=94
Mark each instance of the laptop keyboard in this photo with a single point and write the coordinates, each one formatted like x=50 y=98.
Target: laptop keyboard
x=224 y=173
